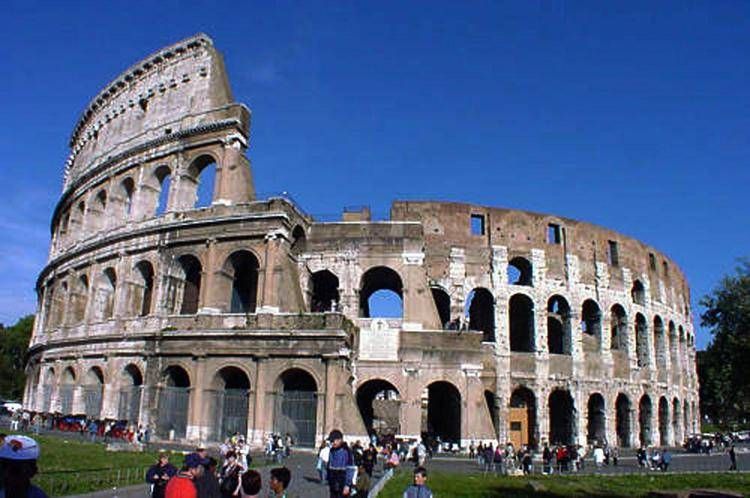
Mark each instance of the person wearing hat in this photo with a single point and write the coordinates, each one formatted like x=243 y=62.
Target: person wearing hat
x=18 y=456
x=341 y=468
x=182 y=485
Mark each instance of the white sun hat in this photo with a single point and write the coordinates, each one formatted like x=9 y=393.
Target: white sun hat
x=19 y=448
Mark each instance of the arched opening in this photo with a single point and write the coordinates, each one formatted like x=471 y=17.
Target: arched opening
x=638 y=293
x=174 y=402
x=676 y=421
x=645 y=414
x=97 y=211
x=163 y=182
x=379 y=405
x=381 y=293
x=299 y=241
x=65 y=392
x=561 y=417
x=641 y=340
x=559 y=335
x=76 y=221
x=682 y=350
x=673 y=345
x=596 y=423
x=64 y=227
x=522 y=428
x=325 y=292
x=660 y=344
x=231 y=404
x=242 y=267
x=57 y=305
x=105 y=294
x=622 y=420
x=663 y=421
x=142 y=288
x=203 y=171
x=92 y=392
x=687 y=426
x=591 y=325
x=521 y=324
x=79 y=299
x=131 y=385
x=127 y=189
x=185 y=287
x=442 y=420
x=490 y=400
x=443 y=305
x=296 y=406
x=618 y=328
x=520 y=272
x=481 y=310
x=47 y=384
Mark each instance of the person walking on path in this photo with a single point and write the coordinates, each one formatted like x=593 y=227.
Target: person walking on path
x=732 y=458
x=182 y=485
x=340 y=466
x=419 y=489
x=159 y=474
x=18 y=456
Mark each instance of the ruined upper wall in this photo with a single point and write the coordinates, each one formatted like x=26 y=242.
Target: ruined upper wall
x=168 y=92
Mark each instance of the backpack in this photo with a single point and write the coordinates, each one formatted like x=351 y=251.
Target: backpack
x=229 y=484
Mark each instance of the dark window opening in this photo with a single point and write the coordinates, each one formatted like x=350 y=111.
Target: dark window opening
x=618 y=323
x=145 y=278
x=622 y=420
x=477 y=224
x=443 y=417
x=596 y=420
x=191 y=273
x=143 y=104
x=638 y=293
x=520 y=272
x=381 y=293
x=521 y=323
x=325 y=292
x=666 y=268
x=380 y=406
x=652 y=261
x=561 y=417
x=641 y=340
x=554 y=234
x=443 y=305
x=243 y=268
x=613 y=257
x=644 y=420
x=559 y=340
x=481 y=311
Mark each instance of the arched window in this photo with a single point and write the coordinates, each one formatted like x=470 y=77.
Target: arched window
x=520 y=271
x=105 y=294
x=163 y=182
x=562 y=421
x=203 y=172
x=299 y=241
x=618 y=328
x=174 y=402
x=127 y=188
x=660 y=343
x=638 y=293
x=242 y=267
x=559 y=333
x=92 y=392
x=77 y=220
x=481 y=310
x=641 y=340
x=521 y=323
x=381 y=293
x=673 y=347
x=97 y=211
x=325 y=292
x=185 y=287
x=380 y=407
x=129 y=403
x=79 y=299
x=143 y=288
x=591 y=325
x=443 y=305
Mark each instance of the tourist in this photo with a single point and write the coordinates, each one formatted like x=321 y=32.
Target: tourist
x=340 y=466
x=207 y=484
x=363 y=481
x=598 y=455
x=159 y=474
x=230 y=475
x=369 y=458
x=419 y=489
x=322 y=462
x=18 y=456
x=472 y=450
x=666 y=459
x=279 y=482
x=732 y=458
x=250 y=484
x=182 y=485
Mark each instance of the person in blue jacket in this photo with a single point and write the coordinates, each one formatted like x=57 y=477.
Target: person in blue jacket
x=340 y=468
x=159 y=474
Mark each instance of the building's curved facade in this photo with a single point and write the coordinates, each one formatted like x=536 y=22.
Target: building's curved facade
x=247 y=314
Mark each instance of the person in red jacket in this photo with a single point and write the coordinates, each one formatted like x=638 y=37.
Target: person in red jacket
x=181 y=485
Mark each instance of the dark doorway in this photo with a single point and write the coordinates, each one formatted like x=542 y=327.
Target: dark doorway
x=521 y=323
x=622 y=420
x=232 y=388
x=561 y=417
x=174 y=402
x=596 y=432
x=297 y=406
x=325 y=292
x=443 y=418
x=481 y=310
x=645 y=413
x=522 y=418
x=380 y=407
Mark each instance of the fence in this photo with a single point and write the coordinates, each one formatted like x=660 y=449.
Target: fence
x=66 y=483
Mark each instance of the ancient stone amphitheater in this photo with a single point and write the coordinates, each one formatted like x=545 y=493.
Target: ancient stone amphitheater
x=174 y=297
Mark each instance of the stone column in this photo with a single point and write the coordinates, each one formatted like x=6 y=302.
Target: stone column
x=196 y=425
x=269 y=298
x=329 y=410
x=214 y=298
x=262 y=417
x=234 y=182
x=411 y=407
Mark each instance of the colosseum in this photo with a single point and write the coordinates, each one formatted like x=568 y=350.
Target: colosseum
x=202 y=315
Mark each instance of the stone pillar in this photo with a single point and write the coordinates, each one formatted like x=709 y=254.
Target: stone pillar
x=269 y=296
x=196 y=424
x=111 y=391
x=234 y=179
x=262 y=417
x=214 y=295
x=411 y=407
x=329 y=409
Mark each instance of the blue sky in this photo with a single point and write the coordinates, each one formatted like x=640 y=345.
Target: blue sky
x=632 y=115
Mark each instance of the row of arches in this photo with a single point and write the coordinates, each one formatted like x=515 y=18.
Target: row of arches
x=138 y=196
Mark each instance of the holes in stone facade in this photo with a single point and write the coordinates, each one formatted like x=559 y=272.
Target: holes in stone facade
x=142 y=289
x=325 y=292
x=520 y=271
x=299 y=241
x=559 y=334
x=202 y=172
x=622 y=420
x=105 y=294
x=242 y=268
x=79 y=300
x=596 y=422
x=641 y=340
x=561 y=417
x=481 y=310
x=380 y=407
x=591 y=325
x=521 y=316
x=663 y=421
x=443 y=305
x=381 y=293
x=443 y=415
x=638 y=293
x=618 y=328
x=554 y=234
x=185 y=287
x=660 y=343
x=477 y=224
x=645 y=414
x=613 y=253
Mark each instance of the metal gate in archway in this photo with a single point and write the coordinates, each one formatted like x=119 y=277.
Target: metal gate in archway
x=66 y=399
x=296 y=414
x=129 y=405
x=173 y=412
x=92 y=401
x=231 y=412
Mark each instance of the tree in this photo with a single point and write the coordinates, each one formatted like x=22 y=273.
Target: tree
x=14 y=341
x=724 y=369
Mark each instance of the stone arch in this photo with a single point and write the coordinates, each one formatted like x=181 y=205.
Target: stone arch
x=59 y=294
x=521 y=317
x=591 y=325
x=296 y=406
x=623 y=409
x=106 y=285
x=242 y=268
x=673 y=347
x=184 y=289
x=596 y=419
x=48 y=382
x=93 y=389
x=97 y=211
x=660 y=343
x=66 y=389
x=379 y=279
x=77 y=218
x=442 y=304
x=641 y=340
x=79 y=299
x=677 y=421
x=155 y=193
x=299 y=241
x=618 y=328
x=491 y=400
x=480 y=305
x=682 y=350
x=126 y=191
x=324 y=294
x=645 y=416
x=231 y=392
x=441 y=417
x=131 y=386
x=379 y=403
x=664 y=420
x=559 y=330
x=174 y=403
x=562 y=418
x=638 y=293
x=522 y=420
x=201 y=181
x=142 y=289
x=520 y=272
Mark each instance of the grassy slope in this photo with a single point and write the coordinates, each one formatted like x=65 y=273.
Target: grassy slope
x=446 y=485
x=63 y=454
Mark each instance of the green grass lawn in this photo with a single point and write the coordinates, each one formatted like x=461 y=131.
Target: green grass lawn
x=447 y=485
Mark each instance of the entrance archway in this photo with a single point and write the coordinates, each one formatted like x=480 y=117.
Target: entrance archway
x=663 y=421
x=561 y=417
x=596 y=420
x=129 y=403
x=65 y=393
x=443 y=305
x=379 y=405
x=559 y=333
x=174 y=402
x=92 y=392
x=231 y=392
x=676 y=421
x=622 y=420
x=296 y=406
x=443 y=417
x=521 y=317
x=522 y=418
x=645 y=413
